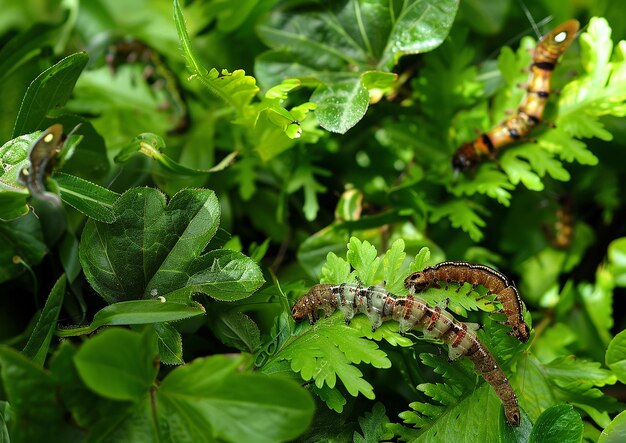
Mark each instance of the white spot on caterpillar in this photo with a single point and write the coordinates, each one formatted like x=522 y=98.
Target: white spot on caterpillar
x=560 y=37
x=161 y=299
x=48 y=138
x=154 y=292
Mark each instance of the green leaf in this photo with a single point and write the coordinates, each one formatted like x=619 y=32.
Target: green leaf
x=92 y=200
x=170 y=344
x=420 y=27
x=156 y=250
x=327 y=350
x=118 y=364
x=462 y=215
x=135 y=312
x=237 y=330
x=373 y=425
x=336 y=270
x=558 y=424
x=51 y=89
x=181 y=28
x=23 y=245
x=341 y=105
x=393 y=261
x=615 y=432
x=362 y=256
x=38 y=415
x=209 y=399
x=616 y=356
x=37 y=347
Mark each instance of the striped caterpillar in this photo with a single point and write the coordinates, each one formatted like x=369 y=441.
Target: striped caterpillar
x=462 y=272
x=411 y=313
x=530 y=111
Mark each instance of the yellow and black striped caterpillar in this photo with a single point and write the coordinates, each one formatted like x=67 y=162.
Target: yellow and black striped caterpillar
x=411 y=313
x=460 y=272
x=530 y=111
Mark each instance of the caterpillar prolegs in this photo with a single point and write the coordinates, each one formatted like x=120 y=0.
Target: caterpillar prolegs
x=411 y=313
x=460 y=272
x=530 y=111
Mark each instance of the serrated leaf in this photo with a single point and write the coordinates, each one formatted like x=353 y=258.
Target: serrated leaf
x=362 y=256
x=393 y=261
x=237 y=330
x=462 y=215
x=170 y=344
x=327 y=351
x=92 y=200
x=373 y=425
x=336 y=270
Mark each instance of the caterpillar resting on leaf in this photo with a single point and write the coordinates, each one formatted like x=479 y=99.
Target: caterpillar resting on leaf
x=530 y=111
x=411 y=313
x=460 y=272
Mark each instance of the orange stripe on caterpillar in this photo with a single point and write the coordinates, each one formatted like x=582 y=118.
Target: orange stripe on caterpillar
x=411 y=313
x=530 y=111
x=460 y=272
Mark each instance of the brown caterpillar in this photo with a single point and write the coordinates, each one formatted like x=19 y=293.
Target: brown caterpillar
x=530 y=111
x=411 y=313
x=561 y=231
x=460 y=272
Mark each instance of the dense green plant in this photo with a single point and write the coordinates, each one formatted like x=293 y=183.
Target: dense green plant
x=223 y=157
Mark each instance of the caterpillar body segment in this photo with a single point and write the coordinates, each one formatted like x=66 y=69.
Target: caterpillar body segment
x=531 y=109
x=460 y=272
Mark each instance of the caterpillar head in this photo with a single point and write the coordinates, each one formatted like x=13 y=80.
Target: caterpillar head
x=416 y=282
x=302 y=308
x=464 y=158
x=521 y=331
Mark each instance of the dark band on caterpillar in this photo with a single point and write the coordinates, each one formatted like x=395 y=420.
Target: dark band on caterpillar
x=460 y=272
x=530 y=112
x=411 y=313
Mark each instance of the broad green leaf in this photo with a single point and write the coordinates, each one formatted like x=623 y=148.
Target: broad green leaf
x=362 y=256
x=153 y=249
x=118 y=364
x=210 y=399
x=616 y=356
x=23 y=245
x=135 y=312
x=345 y=48
x=558 y=424
x=50 y=90
x=615 y=432
x=340 y=105
x=92 y=200
x=38 y=414
x=37 y=347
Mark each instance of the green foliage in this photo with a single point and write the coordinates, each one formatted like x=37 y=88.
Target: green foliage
x=219 y=158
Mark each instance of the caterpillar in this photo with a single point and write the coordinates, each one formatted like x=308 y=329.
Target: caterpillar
x=461 y=272
x=561 y=231
x=156 y=73
x=530 y=111
x=411 y=313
